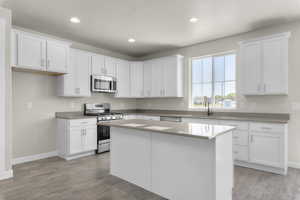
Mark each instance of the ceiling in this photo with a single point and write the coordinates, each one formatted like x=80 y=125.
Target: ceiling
x=157 y=25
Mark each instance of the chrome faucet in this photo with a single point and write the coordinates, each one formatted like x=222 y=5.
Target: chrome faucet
x=207 y=105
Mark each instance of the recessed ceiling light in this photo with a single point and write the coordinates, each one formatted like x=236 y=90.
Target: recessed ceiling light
x=193 y=20
x=131 y=40
x=75 y=20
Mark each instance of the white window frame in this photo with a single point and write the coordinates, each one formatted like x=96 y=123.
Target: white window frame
x=190 y=80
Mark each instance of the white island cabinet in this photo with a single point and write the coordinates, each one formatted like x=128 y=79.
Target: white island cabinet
x=174 y=160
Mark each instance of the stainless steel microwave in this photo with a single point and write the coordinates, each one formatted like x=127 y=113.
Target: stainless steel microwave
x=105 y=84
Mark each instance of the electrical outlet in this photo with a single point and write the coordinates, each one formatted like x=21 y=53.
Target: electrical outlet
x=296 y=106
x=29 y=105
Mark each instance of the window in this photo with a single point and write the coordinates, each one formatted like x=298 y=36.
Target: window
x=214 y=77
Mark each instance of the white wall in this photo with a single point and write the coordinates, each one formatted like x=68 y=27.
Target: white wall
x=270 y=104
x=5 y=95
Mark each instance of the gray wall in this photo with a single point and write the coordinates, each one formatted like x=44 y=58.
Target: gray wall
x=271 y=104
x=34 y=128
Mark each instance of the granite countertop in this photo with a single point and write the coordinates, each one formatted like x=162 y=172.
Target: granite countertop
x=204 y=131
x=72 y=115
x=236 y=116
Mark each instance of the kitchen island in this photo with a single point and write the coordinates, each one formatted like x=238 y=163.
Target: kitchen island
x=174 y=160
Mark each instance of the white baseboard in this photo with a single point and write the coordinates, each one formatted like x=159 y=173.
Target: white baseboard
x=294 y=165
x=6 y=174
x=72 y=157
x=34 y=157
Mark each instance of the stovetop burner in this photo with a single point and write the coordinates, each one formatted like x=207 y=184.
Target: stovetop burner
x=102 y=111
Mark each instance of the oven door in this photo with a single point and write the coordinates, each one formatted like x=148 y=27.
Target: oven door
x=103 y=139
x=103 y=133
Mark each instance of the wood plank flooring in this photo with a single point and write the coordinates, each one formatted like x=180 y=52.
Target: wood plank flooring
x=88 y=179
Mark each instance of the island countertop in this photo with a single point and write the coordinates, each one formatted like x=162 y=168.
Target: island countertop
x=197 y=130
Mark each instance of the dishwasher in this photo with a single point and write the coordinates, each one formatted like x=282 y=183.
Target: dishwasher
x=170 y=119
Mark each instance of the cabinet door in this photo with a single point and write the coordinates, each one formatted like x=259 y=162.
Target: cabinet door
x=90 y=138
x=76 y=140
x=251 y=68
x=275 y=66
x=147 y=71
x=157 y=77
x=136 y=77
x=81 y=64
x=172 y=77
x=266 y=149
x=123 y=79
x=110 y=66
x=98 y=65
x=57 y=56
x=31 y=52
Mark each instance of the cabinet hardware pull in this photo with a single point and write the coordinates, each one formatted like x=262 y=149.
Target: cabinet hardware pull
x=43 y=62
x=266 y=128
x=251 y=139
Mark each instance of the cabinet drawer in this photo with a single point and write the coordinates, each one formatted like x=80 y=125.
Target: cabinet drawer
x=240 y=153
x=82 y=122
x=240 y=137
x=267 y=127
x=237 y=124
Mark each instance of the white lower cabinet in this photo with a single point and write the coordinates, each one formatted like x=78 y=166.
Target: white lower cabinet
x=262 y=146
x=76 y=138
x=268 y=145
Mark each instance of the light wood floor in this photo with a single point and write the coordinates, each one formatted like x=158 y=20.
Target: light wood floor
x=88 y=179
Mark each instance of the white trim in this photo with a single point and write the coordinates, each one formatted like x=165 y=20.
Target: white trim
x=34 y=157
x=295 y=165
x=275 y=170
x=6 y=174
x=72 y=157
x=3 y=101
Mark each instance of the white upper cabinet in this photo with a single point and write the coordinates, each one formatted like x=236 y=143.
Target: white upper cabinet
x=77 y=82
x=123 y=79
x=275 y=62
x=137 y=79
x=157 y=78
x=98 y=65
x=251 y=68
x=110 y=66
x=147 y=78
x=31 y=51
x=57 y=56
x=264 y=65
x=172 y=76
x=38 y=53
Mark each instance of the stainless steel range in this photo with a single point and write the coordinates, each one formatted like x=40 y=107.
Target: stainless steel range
x=103 y=113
